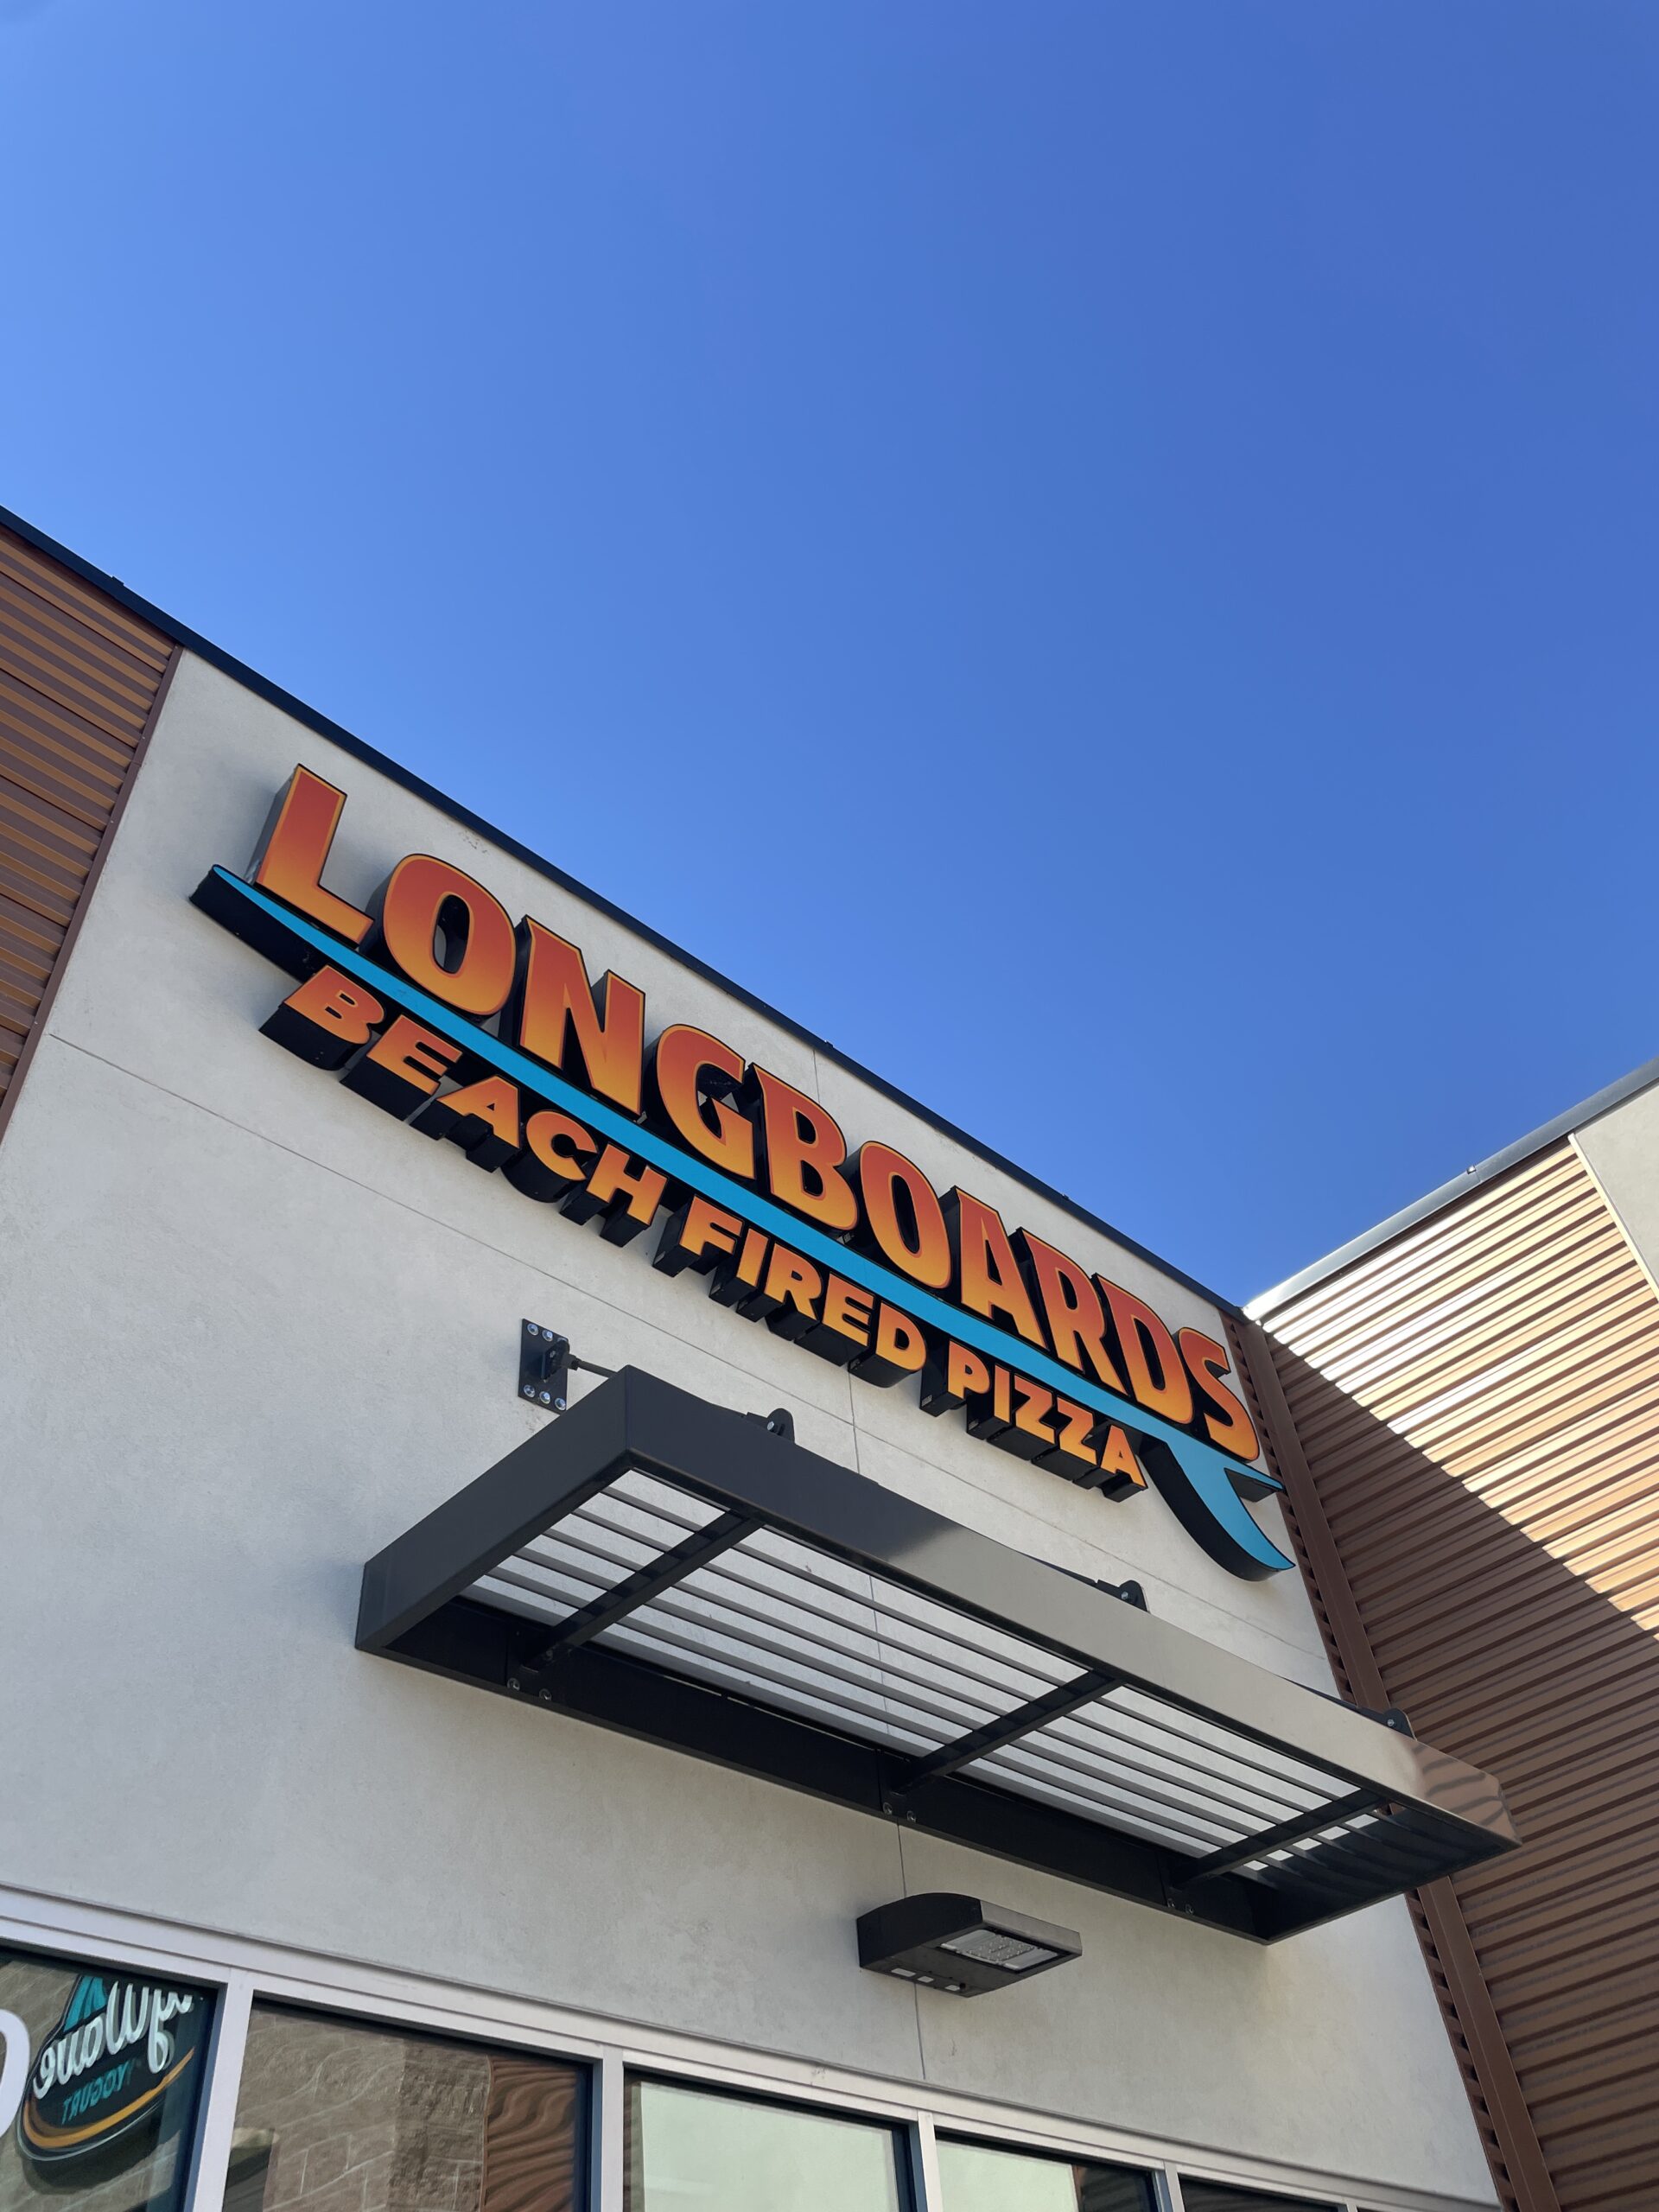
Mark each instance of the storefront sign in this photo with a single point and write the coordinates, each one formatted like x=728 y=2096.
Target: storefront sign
x=104 y=2072
x=435 y=1005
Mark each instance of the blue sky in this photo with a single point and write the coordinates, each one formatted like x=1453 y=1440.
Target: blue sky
x=1100 y=553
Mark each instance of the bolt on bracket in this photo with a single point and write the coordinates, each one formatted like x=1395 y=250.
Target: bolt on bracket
x=545 y=1361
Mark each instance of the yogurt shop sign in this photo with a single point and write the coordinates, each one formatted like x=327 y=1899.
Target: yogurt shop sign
x=104 y=2074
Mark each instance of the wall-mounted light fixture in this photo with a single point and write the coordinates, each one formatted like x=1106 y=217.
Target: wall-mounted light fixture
x=961 y=1945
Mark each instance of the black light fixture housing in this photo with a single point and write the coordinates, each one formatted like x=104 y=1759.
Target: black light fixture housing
x=960 y=1945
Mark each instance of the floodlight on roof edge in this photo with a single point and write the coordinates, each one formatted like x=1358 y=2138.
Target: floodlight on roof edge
x=666 y=1568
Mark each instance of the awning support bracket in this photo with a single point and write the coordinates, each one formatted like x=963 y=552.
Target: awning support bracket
x=636 y=1590
x=1053 y=1705
x=1233 y=1855
x=545 y=1363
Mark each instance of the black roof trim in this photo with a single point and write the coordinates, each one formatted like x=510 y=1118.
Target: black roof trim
x=384 y=764
x=1263 y=1307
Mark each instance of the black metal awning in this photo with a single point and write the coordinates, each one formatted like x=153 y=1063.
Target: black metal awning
x=661 y=1566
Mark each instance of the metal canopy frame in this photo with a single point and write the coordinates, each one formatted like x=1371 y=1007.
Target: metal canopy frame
x=664 y=1566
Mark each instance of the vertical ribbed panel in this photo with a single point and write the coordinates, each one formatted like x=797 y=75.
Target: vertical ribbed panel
x=1357 y=1678
x=78 y=684
x=1477 y=1404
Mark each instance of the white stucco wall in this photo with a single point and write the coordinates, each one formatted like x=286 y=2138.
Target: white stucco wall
x=252 y=1328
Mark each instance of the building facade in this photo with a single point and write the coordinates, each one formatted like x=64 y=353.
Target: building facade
x=1468 y=1411
x=600 y=1611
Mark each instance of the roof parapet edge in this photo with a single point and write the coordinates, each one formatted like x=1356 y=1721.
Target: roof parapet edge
x=250 y=678
x=1266 y=1303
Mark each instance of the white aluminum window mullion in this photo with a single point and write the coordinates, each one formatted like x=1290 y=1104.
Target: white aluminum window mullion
x=926 y=2195
x=217 y=2121
x=608 y=2175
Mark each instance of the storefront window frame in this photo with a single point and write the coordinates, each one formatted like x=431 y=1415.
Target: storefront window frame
x=1290 y=2198
x=241 y=1972
x=1158 y=2179
x=906 y=2166
x=72 y=1951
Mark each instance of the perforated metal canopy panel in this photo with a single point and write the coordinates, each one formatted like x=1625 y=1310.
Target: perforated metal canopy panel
x=659 y=1564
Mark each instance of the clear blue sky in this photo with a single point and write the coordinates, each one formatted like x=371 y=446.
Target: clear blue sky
x=1100 y=553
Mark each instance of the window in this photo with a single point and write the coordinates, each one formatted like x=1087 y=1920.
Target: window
x=102 y=2077
x=101 y=2071
x=974 y=2178
x=691 y=2152
x=1224 y=2196
x=333 y=2116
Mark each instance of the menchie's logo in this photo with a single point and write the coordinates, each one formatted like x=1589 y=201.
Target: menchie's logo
x=104 y=2072
x=433 y=1005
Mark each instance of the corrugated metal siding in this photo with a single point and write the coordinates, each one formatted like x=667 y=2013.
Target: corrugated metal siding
x=1477 y=1407
x=79 y=684
x=1472 y=2023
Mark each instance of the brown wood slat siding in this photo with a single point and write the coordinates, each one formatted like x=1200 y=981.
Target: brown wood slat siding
x=1472 y=2023
x=1478 y=1408
x=81 y=684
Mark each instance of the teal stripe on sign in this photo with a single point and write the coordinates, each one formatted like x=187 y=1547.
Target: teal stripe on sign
x=1201 y=1463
